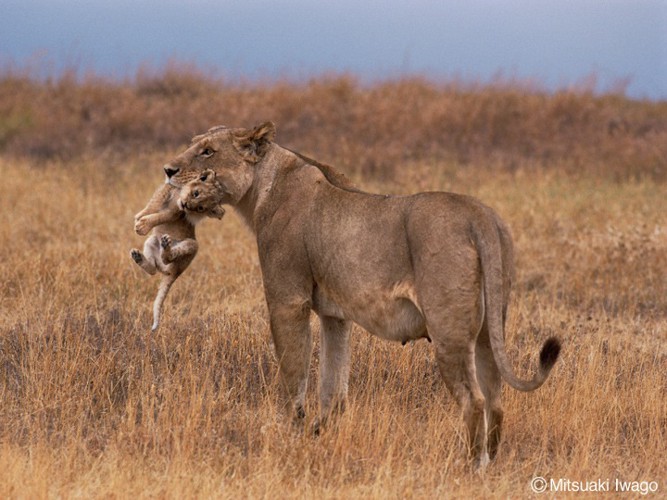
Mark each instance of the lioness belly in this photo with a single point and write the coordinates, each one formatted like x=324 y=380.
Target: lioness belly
x=383 y=314
x=398 y=319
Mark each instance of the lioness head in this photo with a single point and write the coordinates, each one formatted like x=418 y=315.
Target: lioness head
x=203 y=195
x=229 y=152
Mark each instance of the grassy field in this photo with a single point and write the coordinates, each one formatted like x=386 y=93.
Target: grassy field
x=88 y=411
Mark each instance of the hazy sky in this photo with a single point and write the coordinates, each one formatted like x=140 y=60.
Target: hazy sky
x=557 y=42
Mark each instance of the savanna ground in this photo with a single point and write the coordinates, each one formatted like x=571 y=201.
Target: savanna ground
x=88 y=411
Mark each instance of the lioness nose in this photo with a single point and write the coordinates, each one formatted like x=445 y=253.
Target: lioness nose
x=170 y=171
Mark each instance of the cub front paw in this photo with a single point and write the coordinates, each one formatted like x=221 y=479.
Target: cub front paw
x=141 y=227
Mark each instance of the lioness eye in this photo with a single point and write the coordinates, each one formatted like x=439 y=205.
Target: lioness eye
x=206 y=153
x=195 y=193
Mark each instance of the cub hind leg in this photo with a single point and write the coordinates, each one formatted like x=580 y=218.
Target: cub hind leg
x=148 y=259
x=173 y=251
x=174 y=259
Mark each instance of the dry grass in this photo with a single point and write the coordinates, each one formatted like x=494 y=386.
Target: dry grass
x=88 y=412
x=337 y=119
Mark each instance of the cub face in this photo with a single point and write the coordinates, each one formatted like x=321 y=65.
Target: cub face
x=203 y=195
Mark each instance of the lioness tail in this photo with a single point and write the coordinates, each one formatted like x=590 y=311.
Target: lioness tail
x=487 y=241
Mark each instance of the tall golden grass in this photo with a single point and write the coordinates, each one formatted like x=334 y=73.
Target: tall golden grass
x=503 y=124
x=88 y=410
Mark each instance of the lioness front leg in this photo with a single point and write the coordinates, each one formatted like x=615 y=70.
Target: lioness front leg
x=174 y=251
x=334 y=366
x=290 y=329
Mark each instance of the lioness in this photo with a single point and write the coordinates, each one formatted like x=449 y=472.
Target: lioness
x=431 y=265
x=172 y=245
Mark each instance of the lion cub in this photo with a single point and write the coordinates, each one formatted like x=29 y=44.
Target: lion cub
x=172 y=245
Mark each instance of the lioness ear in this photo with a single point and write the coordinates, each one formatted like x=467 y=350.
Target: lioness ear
x=253 y=144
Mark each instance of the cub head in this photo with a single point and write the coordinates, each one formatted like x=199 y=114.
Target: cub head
x=230 y=152
x=203 y=195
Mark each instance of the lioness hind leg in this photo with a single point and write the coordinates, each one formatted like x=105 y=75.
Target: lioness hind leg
x=490 y=382
x=457 y=366
x=453 y=321
x=334 y=366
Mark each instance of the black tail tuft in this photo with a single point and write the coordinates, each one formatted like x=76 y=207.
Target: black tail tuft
x=549 y=353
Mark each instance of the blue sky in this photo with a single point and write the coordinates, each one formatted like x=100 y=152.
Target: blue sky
x=555 y=42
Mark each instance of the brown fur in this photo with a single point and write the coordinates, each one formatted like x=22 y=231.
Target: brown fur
x=172 y=245
x=436 y=265
x=202 y=195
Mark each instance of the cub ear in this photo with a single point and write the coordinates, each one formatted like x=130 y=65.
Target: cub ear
x=218 y=212
x=253 y=144
x=207 y=175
